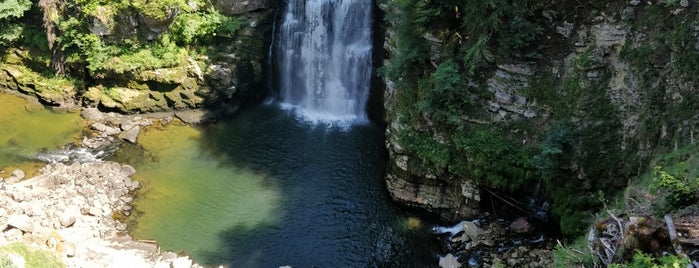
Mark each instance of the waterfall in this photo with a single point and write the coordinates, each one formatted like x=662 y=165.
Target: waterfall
x=324 y=54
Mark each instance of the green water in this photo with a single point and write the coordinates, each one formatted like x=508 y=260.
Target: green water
x=26 y=128
x=265 y=190
x=188 y=194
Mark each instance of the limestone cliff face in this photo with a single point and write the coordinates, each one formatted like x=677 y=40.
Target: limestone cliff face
x=622 y=94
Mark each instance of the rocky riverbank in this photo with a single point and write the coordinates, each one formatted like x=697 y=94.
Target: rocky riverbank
x=75 y=211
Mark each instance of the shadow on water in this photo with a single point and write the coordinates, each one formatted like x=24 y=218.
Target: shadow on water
x=333 y=208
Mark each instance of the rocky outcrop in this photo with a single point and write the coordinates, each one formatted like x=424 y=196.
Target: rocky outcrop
x=238 y=7
x=618 y=93
x=49 y=90
x=72 y=210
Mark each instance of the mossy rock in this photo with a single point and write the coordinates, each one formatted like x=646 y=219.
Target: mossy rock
x=128 y=100
x=54 y=90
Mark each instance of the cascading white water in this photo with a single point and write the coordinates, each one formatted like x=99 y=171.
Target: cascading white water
x=325 y=52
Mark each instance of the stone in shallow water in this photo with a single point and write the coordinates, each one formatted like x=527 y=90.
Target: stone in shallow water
x=131 y=135
x=18 y=173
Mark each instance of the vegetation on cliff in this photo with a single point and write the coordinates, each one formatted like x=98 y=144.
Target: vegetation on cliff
x=131 y=56
x=578 y=96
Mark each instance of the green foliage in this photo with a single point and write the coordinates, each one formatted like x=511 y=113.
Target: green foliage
x=162 y=9
x=682 y=189
x=33 y=258
x=444 y=94
x=488 y=156
x=643 y=260
x=10 y=12
x=427 y=148
x=551 y=148
x=14 y=8
x=189 y=28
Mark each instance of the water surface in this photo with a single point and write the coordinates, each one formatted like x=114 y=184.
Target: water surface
x=265 y=190
x=27 y=127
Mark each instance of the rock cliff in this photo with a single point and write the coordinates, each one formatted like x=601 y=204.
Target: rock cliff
x=578 y=100
x=142 y=56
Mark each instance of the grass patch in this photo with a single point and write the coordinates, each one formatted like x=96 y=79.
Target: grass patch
x=33 y=257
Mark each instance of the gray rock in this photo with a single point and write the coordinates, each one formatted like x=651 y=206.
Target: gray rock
x=472 y=230
x=21 y=222
x=66 y=219
x=517 y=69
x=128 y=170
x=131 y=135
x=192 y=116
x=182 y=262
x=239 y=7
x=449 y=261
x=18 y=173
x=565 y=30
x=12 y=180
x=634 y=2
x=520 y=226
x=684 y=3
x=104 y=129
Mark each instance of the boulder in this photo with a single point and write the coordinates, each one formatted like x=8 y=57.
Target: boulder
x=192 y=116
x=131 y=135
x=239 y=7
x=449 y=261
x=11 y=180
x=182 y=262
x=18 y=173
x=67 y=219
x=472 y=230
x=106 y=130
x=21 y=222
x=520 y=226
x=128 y=171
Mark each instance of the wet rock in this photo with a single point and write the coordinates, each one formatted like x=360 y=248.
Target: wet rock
x=182 y=262
x=520 y=226
x=104 y=129
x=18 y=173
x=131 y=135
x=192 y=116
x=472 y=230
x=449 y=261
x=128 y=171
